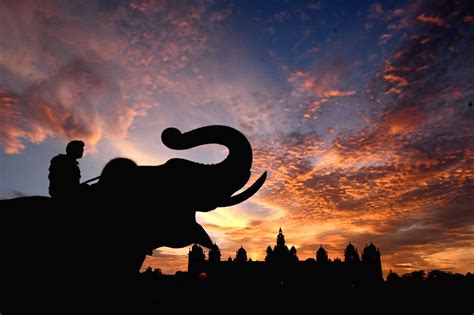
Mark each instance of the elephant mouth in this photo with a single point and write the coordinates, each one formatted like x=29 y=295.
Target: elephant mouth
x=200 y=235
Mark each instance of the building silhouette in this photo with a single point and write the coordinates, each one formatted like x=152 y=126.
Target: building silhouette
x=280 y=252
x=215 y=254
x=351 y=256
x=283 y=279
x=283 y=267
x=372 y=263
x=196 y=259
x=322 y=256
x=241 y=255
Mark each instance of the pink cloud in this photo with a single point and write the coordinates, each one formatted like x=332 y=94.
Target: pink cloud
x=76 y=71
x=383 y=39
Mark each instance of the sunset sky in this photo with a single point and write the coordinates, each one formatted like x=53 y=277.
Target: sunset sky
x=361 y=112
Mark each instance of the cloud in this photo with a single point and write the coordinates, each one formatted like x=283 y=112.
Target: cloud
x=468 y=19
x=90 y=70
x=396 y=17
x=57 y=75
x=168 y=260
x=395 y=168
x=398 y=80
x=315 y=5
x=392 y=166
x=383 y=39
x=400 y=179
x=322 y=85
x=358 y=147
x=405 y=120
x=324 y=82
x=430 y=19
x=62 y=105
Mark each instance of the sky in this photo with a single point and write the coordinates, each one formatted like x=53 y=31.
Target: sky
x=361 y=113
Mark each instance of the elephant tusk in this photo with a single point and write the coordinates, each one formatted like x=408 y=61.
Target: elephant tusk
x=233 y=200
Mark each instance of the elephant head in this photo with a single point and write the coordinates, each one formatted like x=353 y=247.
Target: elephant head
x=221 y=180
x=169 y=195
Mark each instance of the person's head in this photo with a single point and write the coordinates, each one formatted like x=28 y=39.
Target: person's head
x=75 y=149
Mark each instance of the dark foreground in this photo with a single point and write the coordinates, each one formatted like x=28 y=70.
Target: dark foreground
x=154 y=293
x=405 y=294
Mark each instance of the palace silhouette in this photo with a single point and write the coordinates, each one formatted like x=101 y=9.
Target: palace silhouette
x=282 y=279
x=282 y=266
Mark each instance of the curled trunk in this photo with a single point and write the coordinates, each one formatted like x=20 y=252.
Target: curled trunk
x=239 y=159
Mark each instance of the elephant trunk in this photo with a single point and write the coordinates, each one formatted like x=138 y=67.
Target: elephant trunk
x=240 y=150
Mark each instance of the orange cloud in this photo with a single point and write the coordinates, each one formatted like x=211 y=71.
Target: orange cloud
x=405 y=120
x=337 y=93
x=318 y=87
x=431 y=19
x=167 y=260
x=324 y=83
x=393 y=78
x=366 y=186
x=468 y=19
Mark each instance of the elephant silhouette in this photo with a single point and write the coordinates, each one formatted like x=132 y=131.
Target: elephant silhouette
x=88 y=251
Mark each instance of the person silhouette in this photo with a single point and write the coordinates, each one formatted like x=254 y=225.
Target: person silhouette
x=64 y=173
